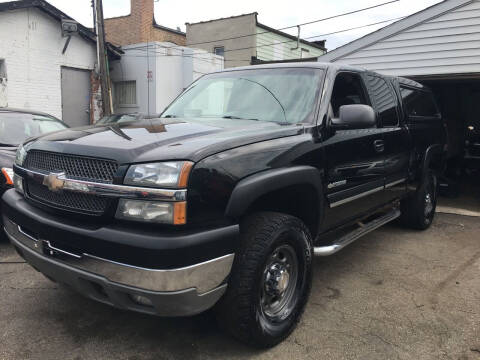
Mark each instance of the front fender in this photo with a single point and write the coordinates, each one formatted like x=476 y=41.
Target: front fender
x=253 y=187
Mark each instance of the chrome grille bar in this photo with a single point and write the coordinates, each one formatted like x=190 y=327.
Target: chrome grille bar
x=104 y=189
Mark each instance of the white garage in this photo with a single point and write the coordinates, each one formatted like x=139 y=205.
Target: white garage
x=439 y=47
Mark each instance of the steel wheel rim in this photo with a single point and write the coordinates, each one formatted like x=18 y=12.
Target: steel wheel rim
x=279 y=284
x=429 y=201
x=428 y=204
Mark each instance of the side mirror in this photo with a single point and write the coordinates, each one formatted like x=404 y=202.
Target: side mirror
x=355 y=116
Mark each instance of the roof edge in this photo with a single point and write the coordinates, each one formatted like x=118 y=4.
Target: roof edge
x=165 y=28
x=394 y=28
x=281 y=33
x=224 y=18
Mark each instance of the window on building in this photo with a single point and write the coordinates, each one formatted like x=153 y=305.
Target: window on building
x=3 y=69
x=305 y=53
x=385 y=100
x=418 y=102
x=125 y=93
x=219 y=50
x=3 y=83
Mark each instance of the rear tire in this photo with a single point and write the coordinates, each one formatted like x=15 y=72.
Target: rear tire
x=418 y=210
x=270 y=280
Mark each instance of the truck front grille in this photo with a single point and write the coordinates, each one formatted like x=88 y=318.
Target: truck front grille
x=74 y=167
x=68 y=200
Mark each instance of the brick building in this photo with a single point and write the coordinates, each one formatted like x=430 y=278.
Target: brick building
x=140 y=27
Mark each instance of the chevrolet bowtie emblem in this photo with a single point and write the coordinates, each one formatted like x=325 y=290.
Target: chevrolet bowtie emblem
x=53 y=181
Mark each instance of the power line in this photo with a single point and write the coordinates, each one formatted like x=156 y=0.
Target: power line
x=294 y=26
x=272 y=44
x=188 y=56
x=344 y=14
x=356 y=27
x=312 y=37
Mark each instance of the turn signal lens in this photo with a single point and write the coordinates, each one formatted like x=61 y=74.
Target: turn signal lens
x=180 y=213
x=8 y=174
x=184 y=173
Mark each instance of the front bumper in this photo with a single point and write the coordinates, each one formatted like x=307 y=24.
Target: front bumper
x=179 y=292
x=174 y=274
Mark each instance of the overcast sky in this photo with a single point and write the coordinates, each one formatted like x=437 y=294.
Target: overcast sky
x=274 y=13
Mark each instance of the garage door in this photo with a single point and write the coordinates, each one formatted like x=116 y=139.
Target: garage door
x=75 y=96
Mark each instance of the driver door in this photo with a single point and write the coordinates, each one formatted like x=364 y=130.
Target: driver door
x=355 y=159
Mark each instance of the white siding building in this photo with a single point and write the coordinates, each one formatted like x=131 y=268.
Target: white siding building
x=443 y=39
x=274 y=45
x=35 y=71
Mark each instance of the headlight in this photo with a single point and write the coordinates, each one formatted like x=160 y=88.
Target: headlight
x=152 y=211
x=20 y=156
x=18 y=183
x=173 y=174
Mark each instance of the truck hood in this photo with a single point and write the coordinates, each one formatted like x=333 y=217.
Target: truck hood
x=162 y=139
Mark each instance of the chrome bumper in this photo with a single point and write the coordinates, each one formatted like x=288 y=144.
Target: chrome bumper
x=202 y=277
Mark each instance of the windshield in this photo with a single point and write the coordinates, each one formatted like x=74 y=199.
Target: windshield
x=118 y=119
x=15 y=128
x=283 y=95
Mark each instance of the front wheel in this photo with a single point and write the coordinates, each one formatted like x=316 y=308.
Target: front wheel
x=270 y=281
x=418 y=210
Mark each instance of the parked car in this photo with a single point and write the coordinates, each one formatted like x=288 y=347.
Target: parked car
x=224 y=200
x=15 y=127
x=472 y=147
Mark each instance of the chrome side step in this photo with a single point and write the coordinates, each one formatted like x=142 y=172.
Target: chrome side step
x=356 y=234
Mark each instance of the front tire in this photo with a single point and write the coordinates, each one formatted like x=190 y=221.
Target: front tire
x=270 y=280
x=418 y=210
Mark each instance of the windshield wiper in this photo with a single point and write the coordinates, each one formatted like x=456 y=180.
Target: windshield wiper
x=8 y=145
x=170 y=116
x=237 y=118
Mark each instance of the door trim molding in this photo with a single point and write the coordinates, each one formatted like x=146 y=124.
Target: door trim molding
x=355 y=197
x=389 y=185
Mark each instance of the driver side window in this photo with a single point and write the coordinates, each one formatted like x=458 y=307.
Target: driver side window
x=348 y=89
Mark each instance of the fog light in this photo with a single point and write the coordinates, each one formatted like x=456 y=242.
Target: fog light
x=18 y=183
x=141 y=300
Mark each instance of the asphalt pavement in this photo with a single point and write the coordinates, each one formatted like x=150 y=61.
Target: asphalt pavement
x=394 y=294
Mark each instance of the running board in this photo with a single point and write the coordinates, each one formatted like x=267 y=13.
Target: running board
x=356 y=234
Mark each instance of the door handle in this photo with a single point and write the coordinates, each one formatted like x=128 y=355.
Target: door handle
x=379 y=145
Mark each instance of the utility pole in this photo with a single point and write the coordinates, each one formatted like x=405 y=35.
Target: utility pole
x=102 y=58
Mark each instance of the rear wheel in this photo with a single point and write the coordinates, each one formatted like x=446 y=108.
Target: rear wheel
x=418 y=210
x=270 y=281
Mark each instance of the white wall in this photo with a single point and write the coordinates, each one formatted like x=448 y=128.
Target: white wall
x=172 y=68
x=178 y=68
x=31 y=44
x=134 y=66
x=282 y=50
x=444 y=39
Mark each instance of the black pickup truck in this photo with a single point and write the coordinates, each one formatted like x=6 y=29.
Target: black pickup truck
x=224 y=199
